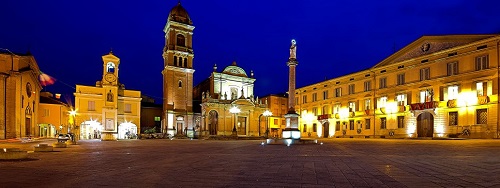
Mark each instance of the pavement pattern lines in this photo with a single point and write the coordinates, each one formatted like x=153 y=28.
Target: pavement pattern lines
x=209 y=163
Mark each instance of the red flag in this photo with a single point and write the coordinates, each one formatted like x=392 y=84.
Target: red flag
x=46 y=80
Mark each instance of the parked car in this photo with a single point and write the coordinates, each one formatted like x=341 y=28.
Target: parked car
x=63 y=137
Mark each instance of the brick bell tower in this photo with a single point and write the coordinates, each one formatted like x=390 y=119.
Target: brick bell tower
x=178 y=73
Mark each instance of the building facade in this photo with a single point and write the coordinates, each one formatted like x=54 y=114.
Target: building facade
x=107 y=110
x=177 y=73
x=437 y=86
x=54 y=115
x=278 y=105
x=228 y=106
x=19 y=95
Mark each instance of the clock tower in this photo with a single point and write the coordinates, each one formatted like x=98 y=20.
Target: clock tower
x=110 y=69
x=178 y=73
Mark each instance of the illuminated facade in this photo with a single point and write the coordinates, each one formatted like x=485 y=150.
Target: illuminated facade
x=437 y=86
x=228 y=106
x=278 y=105
x=19 y=95
x=107 y=111
x=53 y=117
x=177 y=73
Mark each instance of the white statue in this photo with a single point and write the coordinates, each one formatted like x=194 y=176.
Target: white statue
x=293 y=50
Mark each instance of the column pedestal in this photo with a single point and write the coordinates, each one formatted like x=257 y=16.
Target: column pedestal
x=292 y=126
x=108 y=136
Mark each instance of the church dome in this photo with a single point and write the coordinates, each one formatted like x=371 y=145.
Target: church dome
x=179 y=14
x=233 y=69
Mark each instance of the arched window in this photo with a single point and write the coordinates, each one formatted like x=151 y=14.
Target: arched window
x=180 y=83
x=181 y=41
x=175 y=61
x=110 y=67
x=180 y=62
x=185 y=62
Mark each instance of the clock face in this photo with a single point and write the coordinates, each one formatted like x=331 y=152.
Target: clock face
x=110 y=77
x=28 y=90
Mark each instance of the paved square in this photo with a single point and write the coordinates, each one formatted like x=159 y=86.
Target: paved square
x=206 y=163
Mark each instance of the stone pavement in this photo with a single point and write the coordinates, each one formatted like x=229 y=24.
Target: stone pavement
x=209 y=163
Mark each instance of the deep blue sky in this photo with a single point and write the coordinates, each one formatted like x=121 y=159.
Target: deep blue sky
x=334 y=38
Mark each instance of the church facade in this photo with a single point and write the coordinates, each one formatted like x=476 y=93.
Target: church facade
x=228 y=106
x=107 y=111
x=437 y=86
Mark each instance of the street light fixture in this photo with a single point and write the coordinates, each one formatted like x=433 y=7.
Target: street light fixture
x=234 y=110
x=267 y=113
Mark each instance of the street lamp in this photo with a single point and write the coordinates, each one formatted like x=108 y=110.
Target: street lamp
x=234 y=110
x=267 y=113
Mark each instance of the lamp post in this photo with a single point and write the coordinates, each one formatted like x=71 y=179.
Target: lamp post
x=74 y=127
x=267 y=113
x=234 y=110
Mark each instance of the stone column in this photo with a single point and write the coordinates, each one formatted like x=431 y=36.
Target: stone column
x=292 y=118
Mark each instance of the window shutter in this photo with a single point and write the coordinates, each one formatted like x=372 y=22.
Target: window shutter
x=408 y=98
x=441 y=93
x=357 y=106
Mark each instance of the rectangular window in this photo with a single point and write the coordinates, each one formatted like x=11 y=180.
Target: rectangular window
x=351 y=89
x=157 y=118
x=367 y=123
x=368 y=86
x=304 y=129
x=338 y=92
x=128 y=108
x=401 y=122
x=452 y=68
x=382 y=102
x=315 y=127
x=351 y=124
x=453 y=118
x=482 y=62
x=367 y=104
x=383 y=83
x=482 y=88
x=401 y=99
x=337 y=126
x=352 y=107
x=401 y=79
x=425 y=96
x=482 y=116
x=452 y=92
x=383 y=122
x=91 y=106
x=325 y=95
x=283 y=122
x=314 y=97
x=304 y=99
x=425 y=74
x=315 y=111
x=275 y=121
x=336 y=108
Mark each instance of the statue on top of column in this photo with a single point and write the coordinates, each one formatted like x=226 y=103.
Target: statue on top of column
x=293 y=50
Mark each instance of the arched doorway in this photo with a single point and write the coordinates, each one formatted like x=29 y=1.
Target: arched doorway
x=212 y=122
x=127 y=131
x=326 y=129
x=425 y=125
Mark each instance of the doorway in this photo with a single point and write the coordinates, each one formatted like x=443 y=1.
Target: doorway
x=326 y=129
x=212 y=122
x=242 y=125
x=425 y=125
x=27 y=124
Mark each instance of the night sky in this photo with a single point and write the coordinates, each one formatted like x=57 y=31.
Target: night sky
x=334 y=38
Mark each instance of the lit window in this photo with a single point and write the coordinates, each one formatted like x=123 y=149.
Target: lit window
x=325 y=110
x=110 y=67
x=367 y=104
x=382 y=102
x=157 y=118
x=336 y=108
x=401 y=99
x=352 y=106
x=425 y=96
x=452 y=92
x=481 y=88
